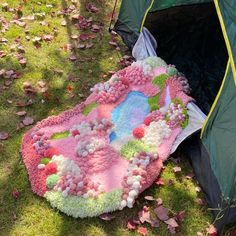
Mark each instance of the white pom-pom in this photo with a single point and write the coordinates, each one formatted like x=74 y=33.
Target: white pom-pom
x=41 y=166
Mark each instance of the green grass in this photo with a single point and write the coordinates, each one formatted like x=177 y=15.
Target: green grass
x=30 y=214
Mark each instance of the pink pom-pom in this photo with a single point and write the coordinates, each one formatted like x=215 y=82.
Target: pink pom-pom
x=138 y=132
x=50 y=152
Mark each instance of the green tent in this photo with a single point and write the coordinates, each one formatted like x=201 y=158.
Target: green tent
x=199 y=37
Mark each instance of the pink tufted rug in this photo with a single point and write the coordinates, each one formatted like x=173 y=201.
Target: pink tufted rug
x=99 y=156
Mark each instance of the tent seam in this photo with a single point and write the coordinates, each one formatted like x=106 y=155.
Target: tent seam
x=145 y=15
x=226 y=38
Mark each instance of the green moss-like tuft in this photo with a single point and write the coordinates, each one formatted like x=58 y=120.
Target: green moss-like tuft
x=60 y=135
x=52 y=180
x=45 y=160
x=85 y=207
x=160 y=80
x=133 y=147
x=172 y=71
x=89 y=108
x=153 y=102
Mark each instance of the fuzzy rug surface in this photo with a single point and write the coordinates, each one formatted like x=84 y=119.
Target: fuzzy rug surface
x=99 y=156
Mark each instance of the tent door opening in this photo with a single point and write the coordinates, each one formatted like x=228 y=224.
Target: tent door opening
x=190 y=37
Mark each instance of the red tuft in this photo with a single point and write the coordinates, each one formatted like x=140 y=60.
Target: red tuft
x=138 y=132
x=75 y=132
x=50 y=169
x=147 y=120
x=50 y=152
x=124 y=81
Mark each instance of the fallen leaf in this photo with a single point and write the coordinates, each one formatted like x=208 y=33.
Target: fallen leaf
x=48 y=37
x=106 y=217
x=171 y=230
x=160 y=182
x=84 y=37
x=15 y=193
x=154 y=222
x=131 y=225
x=149 y=198
x=4 y=135
x=177 y=169
x=112 y=43
x=201 y=234
x=198 y=189
x=201 y=201
x=212 y=230
x=142 y=230
x=172 y=222
x=92 y=8
x=73 y=58
x=21 y=113
x=2 y=54
x=89 y=45
x=23 y=61
x=63 y=23
x=180 y=216
x=95 y=28
x=159 y=201
x=162 y=213
x=144 y=214
x=28 y=121
x=190 y=175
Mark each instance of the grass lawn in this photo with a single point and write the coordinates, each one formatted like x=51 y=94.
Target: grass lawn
x=68 y=75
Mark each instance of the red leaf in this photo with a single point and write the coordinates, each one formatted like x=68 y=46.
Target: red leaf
x=144 y=215
x=92 y=8
x=84 y=37
x=212 y=230
x=142 y=230
x=131 y=225
x=162 y=213
x=106 y=217
x=28 y=121
x=15 y=193
x=160 y=182
x=4 y=135
x=180 y=216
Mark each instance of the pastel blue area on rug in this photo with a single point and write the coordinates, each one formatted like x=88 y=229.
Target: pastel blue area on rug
x=129 y=114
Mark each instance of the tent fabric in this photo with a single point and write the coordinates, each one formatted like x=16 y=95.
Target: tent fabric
x=196 y=152
x=145 y=46
x=219 y=137
x=164 y=4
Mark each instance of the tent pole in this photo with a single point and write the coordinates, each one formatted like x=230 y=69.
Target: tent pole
x=112 y=15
